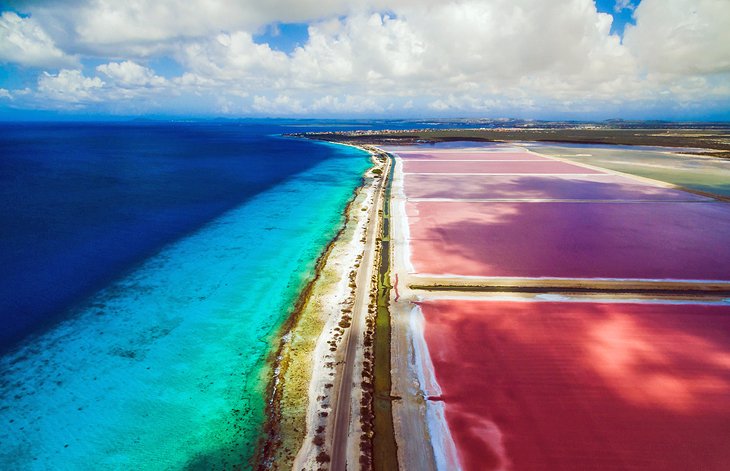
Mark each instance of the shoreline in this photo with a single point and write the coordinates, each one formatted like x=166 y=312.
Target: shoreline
x=300 y=430
x=671 y=140
x=176 y=352
x=274 y=362
x=413 y=381
x=298 y=393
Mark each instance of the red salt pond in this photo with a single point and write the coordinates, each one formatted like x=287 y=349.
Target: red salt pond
x=583 y=386
x=599 y=187
x=490 y=167
x=476 y=156
x=574 y=240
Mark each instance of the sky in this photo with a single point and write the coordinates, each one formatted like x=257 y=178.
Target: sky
x=534 y=59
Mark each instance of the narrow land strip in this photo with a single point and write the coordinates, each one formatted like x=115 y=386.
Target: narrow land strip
x=385 y=456
x=299 y=430
x=346 y=380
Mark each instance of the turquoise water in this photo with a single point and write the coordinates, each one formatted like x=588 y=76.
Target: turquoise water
x=164 y=368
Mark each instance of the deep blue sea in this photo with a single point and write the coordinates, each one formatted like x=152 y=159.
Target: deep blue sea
x=145 y=269
x=83 y=203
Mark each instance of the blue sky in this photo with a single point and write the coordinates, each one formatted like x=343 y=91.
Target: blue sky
x=564 y=59
x=284 y=37
x=622 y=13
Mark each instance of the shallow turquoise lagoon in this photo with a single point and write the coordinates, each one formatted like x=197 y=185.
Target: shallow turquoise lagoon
x=165 y=368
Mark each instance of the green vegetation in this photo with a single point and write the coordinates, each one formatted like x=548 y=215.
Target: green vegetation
x=714 y=138
x=385 y=451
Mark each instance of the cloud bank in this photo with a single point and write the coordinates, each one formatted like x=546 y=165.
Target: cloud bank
x=23 y=41
x=376 y=57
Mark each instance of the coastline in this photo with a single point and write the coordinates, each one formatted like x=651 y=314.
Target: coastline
x=299 y=392
x=175 y=351
x=423 y=438
x=413 y=376
x=711 y=143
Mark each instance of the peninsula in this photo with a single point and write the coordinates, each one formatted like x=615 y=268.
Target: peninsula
x=501 y=293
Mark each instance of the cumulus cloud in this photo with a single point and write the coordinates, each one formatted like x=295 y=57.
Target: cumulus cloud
x=481 y=56
x=233 y=56
x=143 y=28
x=414 y=51
x=347 y=104
x=5 y=93
x=467 y=45
x=685 y=37
x=69 y=86
x=365 y=50
x=23 y=41
x=131 y=74
x=281 y=104
x=375 y=56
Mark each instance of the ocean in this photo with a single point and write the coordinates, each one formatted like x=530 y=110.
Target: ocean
x=145 y=272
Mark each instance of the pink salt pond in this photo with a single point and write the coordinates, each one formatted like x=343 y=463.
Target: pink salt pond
x=659 y=240
x=598 y=187
x=546 y=166
x=472 y=156
x=583 y=386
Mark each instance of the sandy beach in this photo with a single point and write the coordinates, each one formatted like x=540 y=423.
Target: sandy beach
x=312 y=357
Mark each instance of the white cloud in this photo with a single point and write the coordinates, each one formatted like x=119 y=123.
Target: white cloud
x=466 y=46
x=373 y=56
x=24 y=42
x=69 y=86
x=5 y=93
x=141 y=27
x=370 y=51
x=347 y=104
x=195 y=82
x=281 y=104
x=622 y=5
x=234 y=56
x=684 y=37
x=439 y=105
x=131 y=74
